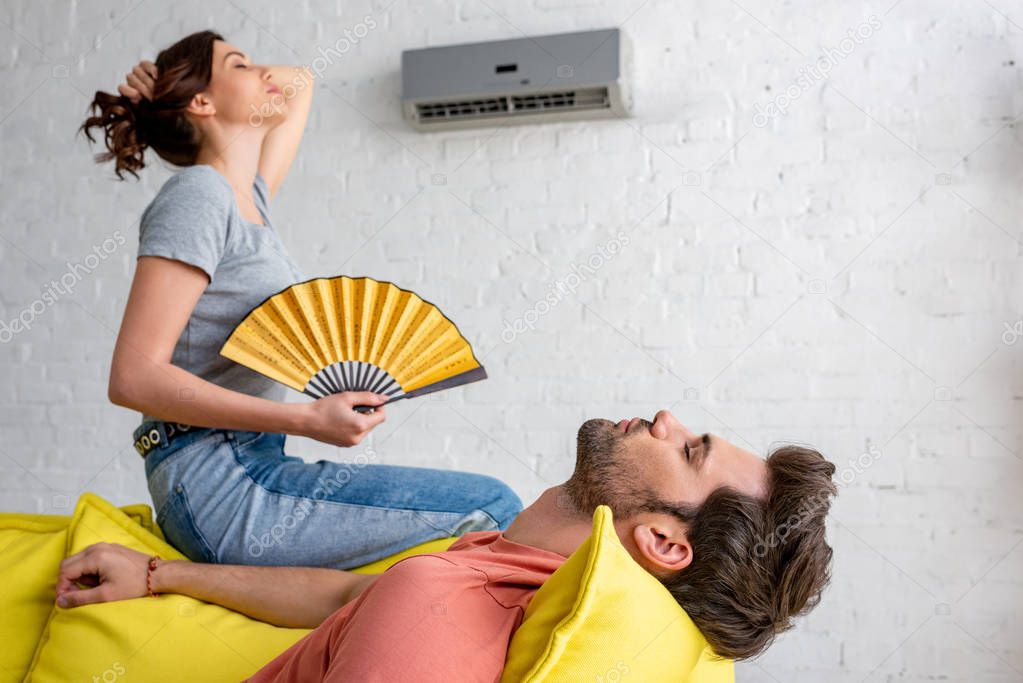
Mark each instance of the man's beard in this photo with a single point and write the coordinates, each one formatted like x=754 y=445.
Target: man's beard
x=601 y=475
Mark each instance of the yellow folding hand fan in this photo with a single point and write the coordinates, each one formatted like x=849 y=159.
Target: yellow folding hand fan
x=329 y=335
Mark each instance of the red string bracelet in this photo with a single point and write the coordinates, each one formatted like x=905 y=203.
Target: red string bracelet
x=149 y=574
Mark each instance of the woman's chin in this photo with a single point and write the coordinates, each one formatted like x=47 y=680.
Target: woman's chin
x=268 y=114
x=280 y=116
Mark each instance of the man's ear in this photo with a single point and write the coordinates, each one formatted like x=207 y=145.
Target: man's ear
x=665 y=546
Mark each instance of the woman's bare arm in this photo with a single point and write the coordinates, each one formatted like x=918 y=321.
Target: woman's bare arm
x=163 y=294
x=281 y=144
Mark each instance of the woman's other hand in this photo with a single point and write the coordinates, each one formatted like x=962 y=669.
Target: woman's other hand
x=111 y=572
x=334 y=419
x=139 y=82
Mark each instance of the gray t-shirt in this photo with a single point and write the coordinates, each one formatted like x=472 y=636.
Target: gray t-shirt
x=195 y=219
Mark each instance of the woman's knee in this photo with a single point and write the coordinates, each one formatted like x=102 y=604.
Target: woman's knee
x=503 y=503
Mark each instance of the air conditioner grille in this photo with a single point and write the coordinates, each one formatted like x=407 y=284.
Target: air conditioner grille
x=512 y=105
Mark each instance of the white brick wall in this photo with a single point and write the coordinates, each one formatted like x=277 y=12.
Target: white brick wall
x=842 y=275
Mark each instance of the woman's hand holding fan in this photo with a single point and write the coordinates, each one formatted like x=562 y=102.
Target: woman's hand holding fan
x=334 y=420
x=355 y=338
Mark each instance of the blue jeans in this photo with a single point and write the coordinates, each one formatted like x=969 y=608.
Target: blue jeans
x=234 y=497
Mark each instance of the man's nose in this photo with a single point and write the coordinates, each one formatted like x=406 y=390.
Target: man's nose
x=664 y=424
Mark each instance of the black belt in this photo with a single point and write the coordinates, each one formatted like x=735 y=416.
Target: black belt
x=154 y=433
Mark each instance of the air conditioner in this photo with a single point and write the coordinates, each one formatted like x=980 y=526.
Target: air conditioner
x=558 y=77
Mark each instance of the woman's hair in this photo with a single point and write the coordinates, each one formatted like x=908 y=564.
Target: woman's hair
x=183 y=69
x=757 y=563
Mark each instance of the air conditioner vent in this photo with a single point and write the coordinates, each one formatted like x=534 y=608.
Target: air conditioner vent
x=592 y=98
x=461 y=110
x=514 y=105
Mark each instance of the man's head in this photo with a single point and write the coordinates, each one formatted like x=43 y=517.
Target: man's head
x=738 y=540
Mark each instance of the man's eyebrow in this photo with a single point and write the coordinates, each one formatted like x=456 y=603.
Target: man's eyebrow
x=705 y=440
x=234 y=52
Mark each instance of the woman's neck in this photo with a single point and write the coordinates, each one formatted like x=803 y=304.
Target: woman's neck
x=236 y=157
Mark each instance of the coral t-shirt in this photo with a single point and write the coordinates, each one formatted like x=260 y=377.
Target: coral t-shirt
x=445 y=616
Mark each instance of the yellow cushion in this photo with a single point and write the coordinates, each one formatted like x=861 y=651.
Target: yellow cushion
x=602 y=617
x=31 y=549
x=170 y=638
x=437 y=546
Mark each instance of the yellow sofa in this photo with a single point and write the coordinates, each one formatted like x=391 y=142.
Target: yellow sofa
x=600 y=616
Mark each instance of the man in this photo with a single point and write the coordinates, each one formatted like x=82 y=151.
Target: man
x=738 y=540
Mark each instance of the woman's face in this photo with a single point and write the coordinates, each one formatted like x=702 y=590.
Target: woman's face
x=241 y=92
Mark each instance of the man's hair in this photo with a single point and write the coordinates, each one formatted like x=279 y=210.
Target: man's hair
x=756 y=563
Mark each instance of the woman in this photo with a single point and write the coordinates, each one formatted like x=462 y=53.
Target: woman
x=213 y=431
